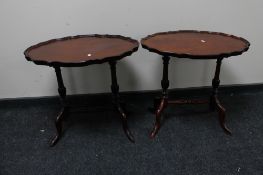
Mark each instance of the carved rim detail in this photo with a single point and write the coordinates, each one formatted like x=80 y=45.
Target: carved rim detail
x=222 y=55
x=85 y=63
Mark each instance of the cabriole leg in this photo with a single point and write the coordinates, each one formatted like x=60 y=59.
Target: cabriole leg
x=64 y=110
x=164 y=99
x=116 y=101
x=214 y=101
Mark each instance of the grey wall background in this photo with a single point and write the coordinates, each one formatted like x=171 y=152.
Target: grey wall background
x=24 y=23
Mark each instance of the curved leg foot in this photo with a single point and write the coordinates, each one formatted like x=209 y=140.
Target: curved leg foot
x=125 y=124
x=116 y=100
x=214 y=102
x=158 y=113
x=58 y=124
x=222 y=116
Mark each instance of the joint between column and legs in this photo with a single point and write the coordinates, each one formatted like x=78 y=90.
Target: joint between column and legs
x=64 y=110
x=164 y=99
x=214 y=101
x=116 y=100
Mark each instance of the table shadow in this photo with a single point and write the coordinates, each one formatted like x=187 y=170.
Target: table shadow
x=94 y=79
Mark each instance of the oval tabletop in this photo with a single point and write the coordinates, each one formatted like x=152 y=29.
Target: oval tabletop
x=195 y=44
x=81 y=50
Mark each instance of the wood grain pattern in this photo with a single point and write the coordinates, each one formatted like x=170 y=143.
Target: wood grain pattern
x=195 y=44
x=81 y=50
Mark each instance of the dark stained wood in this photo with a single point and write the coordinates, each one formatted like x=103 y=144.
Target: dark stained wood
x=81 y=50
x=163 y=101
x=117 y=103
x=188 y=101
x=195 y=44
x=64 y=110
x=158 y=114
x=214 y=101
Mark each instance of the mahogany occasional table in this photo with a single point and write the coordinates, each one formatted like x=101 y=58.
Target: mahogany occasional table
x=83 y=50
x=194 y=45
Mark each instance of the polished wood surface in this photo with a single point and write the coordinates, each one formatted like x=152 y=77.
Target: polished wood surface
x=195 y=44
x=83 y=49
x=65 y=108
x=117 y=101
